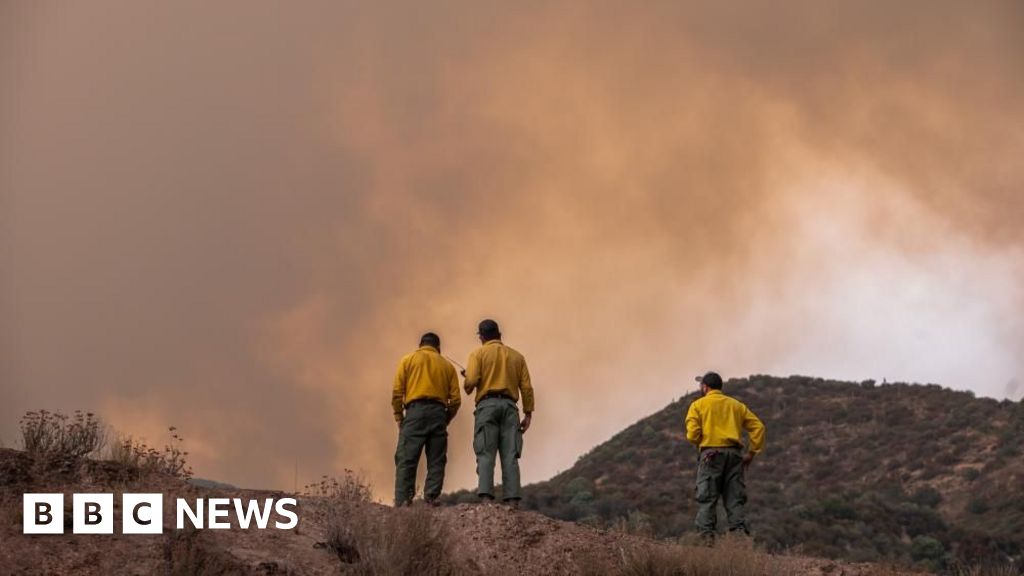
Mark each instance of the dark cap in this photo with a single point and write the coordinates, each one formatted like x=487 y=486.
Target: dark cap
x=711 y=380
x=488 y=328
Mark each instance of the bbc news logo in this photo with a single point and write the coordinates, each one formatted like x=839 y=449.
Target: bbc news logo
x=144 y=513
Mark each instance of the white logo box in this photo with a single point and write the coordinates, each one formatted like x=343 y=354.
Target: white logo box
x=143 y=513
x=93 y=514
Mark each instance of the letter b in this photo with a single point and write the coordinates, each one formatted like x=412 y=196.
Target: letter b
x=43 y=511
x=93 y=513
x=43 y=514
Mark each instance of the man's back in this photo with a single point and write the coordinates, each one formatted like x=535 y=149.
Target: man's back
x=427 y=367
x=496 y=368
x=715 y=423
x=425 y=374
x=716 y=420
x=499 y=376
x=425 y=398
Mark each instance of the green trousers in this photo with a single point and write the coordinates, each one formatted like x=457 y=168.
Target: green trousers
x=720 y=476
x=425 y=427
x=496 y=433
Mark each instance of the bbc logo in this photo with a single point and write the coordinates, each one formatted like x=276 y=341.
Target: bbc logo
x=93 y=514
x=143 y=513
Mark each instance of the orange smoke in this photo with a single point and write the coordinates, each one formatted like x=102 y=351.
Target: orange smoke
x=235 y=219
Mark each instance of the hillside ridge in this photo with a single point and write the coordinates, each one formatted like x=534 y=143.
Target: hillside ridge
x=340 y=532
x=917 y=474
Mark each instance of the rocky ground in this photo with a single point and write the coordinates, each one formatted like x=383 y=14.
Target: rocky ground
x=473 y=539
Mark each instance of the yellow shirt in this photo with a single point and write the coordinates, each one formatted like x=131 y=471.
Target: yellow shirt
x=425 y=374
x=716 y=421
x=495 y=367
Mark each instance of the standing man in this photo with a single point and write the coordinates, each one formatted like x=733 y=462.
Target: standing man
x=714 y=423
x=425 y=398
x=499 y=376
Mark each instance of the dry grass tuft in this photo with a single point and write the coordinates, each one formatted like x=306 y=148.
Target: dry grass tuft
x=408 y=541
x=371 y=539
x=636 y=523
x=138 y=458
x=731 y=556
x=1004 y=569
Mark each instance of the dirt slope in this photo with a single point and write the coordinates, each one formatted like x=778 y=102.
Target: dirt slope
x=485 y=539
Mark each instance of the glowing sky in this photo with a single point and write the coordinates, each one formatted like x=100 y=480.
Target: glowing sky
x=235 y=217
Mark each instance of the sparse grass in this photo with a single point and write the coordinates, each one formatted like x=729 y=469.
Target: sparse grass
x=348 y=500
x=137 y=457
x=729 y=557
x=54 y=439
x=371 y=539
x=588 y=563
x=409 y=541
x=351 y=488
x=636 y=523
x=1004 y=569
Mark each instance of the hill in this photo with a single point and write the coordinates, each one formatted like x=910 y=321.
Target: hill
x=341 y=531
x=907 y=473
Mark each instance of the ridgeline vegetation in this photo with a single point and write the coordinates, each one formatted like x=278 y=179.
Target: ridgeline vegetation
x=913 y=474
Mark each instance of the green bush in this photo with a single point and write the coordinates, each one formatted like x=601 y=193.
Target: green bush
x=927 y=496
x=926 y=549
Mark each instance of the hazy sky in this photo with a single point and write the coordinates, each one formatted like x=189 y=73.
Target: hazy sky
x=235 y=217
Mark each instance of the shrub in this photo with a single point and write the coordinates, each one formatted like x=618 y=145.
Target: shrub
x=926 y=548
x=137 y=457
x=53 y=438
x=373 y=540
x=927 y=496
x=345 y=498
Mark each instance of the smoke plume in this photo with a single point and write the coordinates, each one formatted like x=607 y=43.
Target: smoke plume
x=235 y=217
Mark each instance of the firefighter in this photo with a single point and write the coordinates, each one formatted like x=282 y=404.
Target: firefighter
x=715 y=424
x=425 y=399
x=499 y=377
